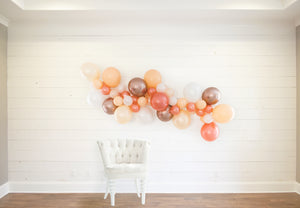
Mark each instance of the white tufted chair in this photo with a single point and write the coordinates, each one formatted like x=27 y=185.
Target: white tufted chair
x=124 y=158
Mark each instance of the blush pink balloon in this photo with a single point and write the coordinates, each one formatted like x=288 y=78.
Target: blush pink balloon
x=159 y=101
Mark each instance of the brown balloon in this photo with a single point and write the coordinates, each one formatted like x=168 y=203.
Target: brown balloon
x=164 y=115
x=211 y=95
x=108 y=106
x=137 y=87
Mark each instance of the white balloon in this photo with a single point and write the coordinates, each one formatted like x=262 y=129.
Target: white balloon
x=192 y=92
x=161 y=87
x=95 y=98
x=121 y=88
x=172 y=100
x=113 y=93
x=127 y=100
x=208 y=118
x=145 y=115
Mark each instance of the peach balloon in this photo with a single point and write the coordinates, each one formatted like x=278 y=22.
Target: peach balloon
x=113 y=93
x=90 y=71
x=118 y=100
x=223 y=113
x=152 y=78
x=142 y=101
x=97 y=84
x=182 y=120
x=111 y=77
x=200 y=104
x=182 y=102
x=123 y=114
x=169 y=92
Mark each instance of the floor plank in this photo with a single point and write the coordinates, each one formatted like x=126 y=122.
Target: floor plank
x=268 y=200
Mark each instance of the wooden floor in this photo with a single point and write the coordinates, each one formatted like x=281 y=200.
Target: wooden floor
x=277 y=200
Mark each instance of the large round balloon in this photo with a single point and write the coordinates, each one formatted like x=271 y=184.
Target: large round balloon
x=192 y=92
x=123 y=114
x=164 y=115
x=95 y=98
x=111 y=77
x=90 y=71
x=137 y=87
x=152 y=78
x=210 y=131
x=223 y=113
x=145 y=115
x=108 y=106
x=182 y=120
x=159 y=101
x=211 y=95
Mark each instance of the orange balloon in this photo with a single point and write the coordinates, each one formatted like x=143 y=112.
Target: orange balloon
x=223 y=113
x=182 y=120
x=152 y=78
x=97 y=84
x=111 y=77
x=142 y=101
x=200 y=104
x=182 y=102
x=118 y=100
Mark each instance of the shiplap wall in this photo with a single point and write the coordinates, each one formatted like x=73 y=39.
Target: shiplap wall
x=53 y=131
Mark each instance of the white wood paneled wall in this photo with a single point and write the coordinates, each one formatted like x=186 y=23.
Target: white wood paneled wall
x=53 y=131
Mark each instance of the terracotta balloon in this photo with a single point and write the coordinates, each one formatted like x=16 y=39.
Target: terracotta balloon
x=108 y=106
x=182 y=120
x=135 y=108
x=90 y=71
x=151 y=91
x=223 y=113
x=125 y=93
x=210 y=131
x=159 y=101
x=164 y=115
x=118 y=100
x=182 y=102
x=191 y=107
x=97 y=84
x=111 y=77
x=211 y=95
x=105 y=90
x=142 y=101
x=123 y=114
x=201 y=104
x=134 y=99
x=208 y=109
x=152 y=78
x=200 y=112
x=175 y=110
x=137 y=87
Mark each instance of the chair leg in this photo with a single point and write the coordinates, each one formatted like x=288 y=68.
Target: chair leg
x=143 y=187
x=112 y=192
x=107 y=189
x=137 y=187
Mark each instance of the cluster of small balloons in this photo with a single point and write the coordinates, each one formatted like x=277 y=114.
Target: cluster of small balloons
x=141 y=93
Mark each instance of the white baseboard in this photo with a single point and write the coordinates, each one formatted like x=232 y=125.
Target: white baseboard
x=129 y=187
x=4 y=189
x=297 y=188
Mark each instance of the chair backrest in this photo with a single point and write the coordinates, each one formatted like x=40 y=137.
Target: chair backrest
x=116 y=151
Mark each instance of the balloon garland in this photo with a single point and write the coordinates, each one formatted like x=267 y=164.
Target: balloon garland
x=150 y=91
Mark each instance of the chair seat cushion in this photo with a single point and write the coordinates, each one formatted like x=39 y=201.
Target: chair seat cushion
x=126 y=170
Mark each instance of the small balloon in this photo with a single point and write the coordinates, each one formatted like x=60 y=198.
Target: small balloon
x=142 y=101
x=200 y=112
x=108 y=106
x=118 y=100
x=159 y=101
x=145 y=115
x=135 y=108
x=191 y=107
x=111 y=77
x=123 y=114
x=90 y=71
x=192 y=92
x=161 y=87
x=211 y=95
x=137 y=87
x=164 y=115
x=210 y=131
x=97 y=84
x=200 y=104
x=127 y=100
x=120 y=88
x=182 y=102
x=172 y=100
x=182 y=120
x=207 y=118
x=95 y=98
x=223 y=113
x=125 y=93
x=105 y=90
x=170 y=92
x=152 y=78
x=134 y=99
x=175 y=110
x=113 y=93
x=208 y=109
x=151 y=91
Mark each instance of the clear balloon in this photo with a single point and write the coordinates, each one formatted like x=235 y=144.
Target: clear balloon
x=192 y=92
x=152 y=78
x=207 y=118
x=111 y=77
x=182 y=120
x=95 y=98
x=159 y=101
x=127 y=100
x=172 y=100
x=170 y=92
x=90 y=71
x=223 y=113
x=161 y=87
x=123 y=114
x=210 y=132
x=145 y=115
